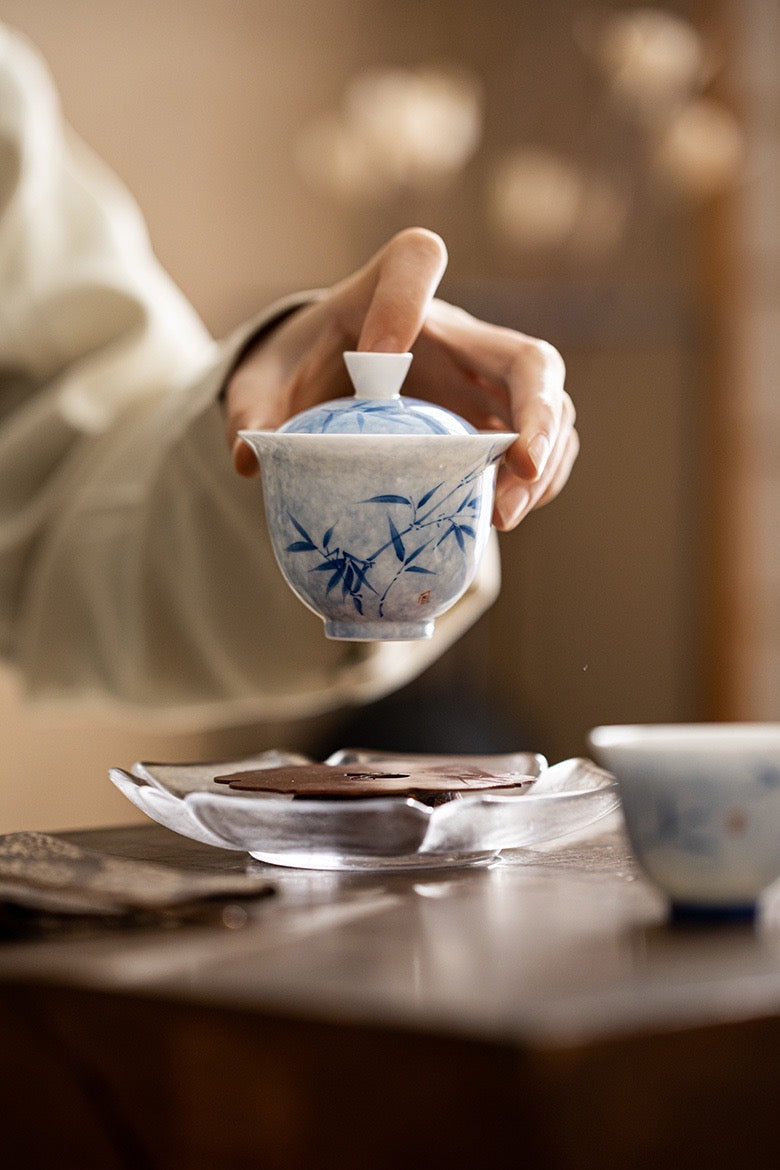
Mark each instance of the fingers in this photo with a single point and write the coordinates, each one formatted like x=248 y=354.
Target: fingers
x=244 y=408
x=493 y=376
x=519 y=379
x=273 y=379
x=516 y=497
x=393 y=293
x=541 y=412
x=244 y=459
x=382 y=307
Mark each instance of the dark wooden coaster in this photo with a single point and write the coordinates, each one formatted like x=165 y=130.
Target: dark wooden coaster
x=368 y=780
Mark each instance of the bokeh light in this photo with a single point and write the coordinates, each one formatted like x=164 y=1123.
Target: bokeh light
x=701 y=148
x=398 y=129
x=651 y=57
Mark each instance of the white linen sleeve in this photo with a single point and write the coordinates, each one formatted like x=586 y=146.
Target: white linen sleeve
x=135 y=570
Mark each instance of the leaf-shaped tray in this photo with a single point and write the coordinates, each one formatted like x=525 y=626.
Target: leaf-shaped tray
x=394 y=832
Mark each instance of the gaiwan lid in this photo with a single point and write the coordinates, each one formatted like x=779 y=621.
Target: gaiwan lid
x=377 y=406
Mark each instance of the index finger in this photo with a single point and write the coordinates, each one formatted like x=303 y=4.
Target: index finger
x=391 y=296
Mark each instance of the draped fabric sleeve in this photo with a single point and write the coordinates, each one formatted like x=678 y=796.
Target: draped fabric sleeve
x=135 y=569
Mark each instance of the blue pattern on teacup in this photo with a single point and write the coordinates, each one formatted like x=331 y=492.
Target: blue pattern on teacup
x=768 y=776
x=443 y=513
x=697 y=823
x=351 y=416
x=688 y=827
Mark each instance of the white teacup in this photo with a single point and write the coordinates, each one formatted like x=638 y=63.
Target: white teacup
x=702 y=808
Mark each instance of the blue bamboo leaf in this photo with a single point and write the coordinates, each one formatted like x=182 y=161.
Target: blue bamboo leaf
x=361 y=578
x=395 y=536
x=357 y=603
x=469 y=502
x=468 y=530
x=324 y=567
x=453 y=530
x=360 y=574
x=327 y=536
x=419 y=569
x=335 y=578
x=301 y=530
x=387 y=499
x=346 y=584
x=413 y=556
x=436 y=427
x=301 y=546
x=424 y=500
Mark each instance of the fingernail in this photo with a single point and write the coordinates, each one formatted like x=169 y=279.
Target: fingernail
x=539 y=451
x=386 y=345
x=510 y=508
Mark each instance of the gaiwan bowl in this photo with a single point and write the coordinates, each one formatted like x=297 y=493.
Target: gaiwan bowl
x=702 y=809
x=378 y=507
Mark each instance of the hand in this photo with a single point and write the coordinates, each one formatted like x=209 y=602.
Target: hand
x=496 y=378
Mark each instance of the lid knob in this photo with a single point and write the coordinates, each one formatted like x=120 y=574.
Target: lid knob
x=377 y=375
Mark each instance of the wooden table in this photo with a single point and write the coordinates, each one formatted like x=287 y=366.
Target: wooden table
x=537 y=1013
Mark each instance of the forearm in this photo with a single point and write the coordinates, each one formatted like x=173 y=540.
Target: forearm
x=134 y=565
x=154 y=587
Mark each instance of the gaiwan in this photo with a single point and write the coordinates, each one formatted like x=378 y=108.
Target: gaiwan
x=378 y=506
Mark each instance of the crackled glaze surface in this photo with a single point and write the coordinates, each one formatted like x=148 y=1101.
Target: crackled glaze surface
x=400 y=555
x=378 y=507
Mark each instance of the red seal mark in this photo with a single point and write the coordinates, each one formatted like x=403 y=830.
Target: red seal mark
x=424 y=597
x=736 y=821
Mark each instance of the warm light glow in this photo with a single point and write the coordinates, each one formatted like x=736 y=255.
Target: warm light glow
x=702 y=148
x=603 y=218
x=398 y=129
x=540 y=200
x=651 y=57
x=535 y=198
x=332 y=156
x=426 y=123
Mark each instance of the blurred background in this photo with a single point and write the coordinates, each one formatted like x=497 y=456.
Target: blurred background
x=606 y=177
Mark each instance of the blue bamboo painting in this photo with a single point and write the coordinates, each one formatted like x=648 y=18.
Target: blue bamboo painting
x=415 y=527
x=361 y=416
x=688 y=828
